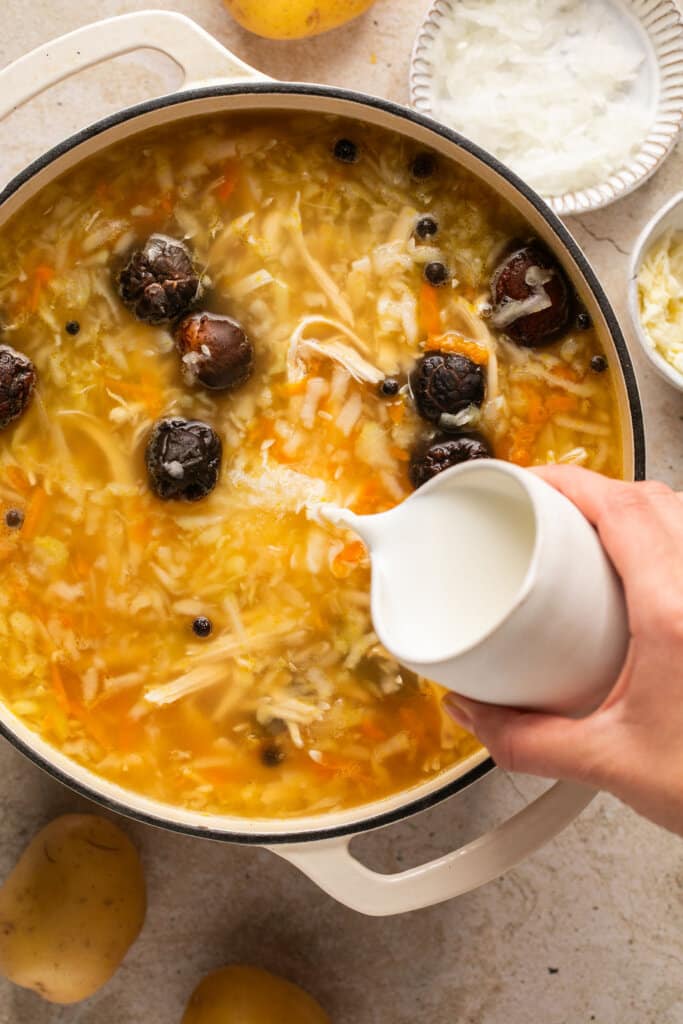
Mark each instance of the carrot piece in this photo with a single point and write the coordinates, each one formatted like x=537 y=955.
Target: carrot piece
x=565 y=372
x=341 y=767
x=34 y=514
x=42 y=276
x=452 y=342
x=397 y=411
x=372 y=730
x=58 y=687
x=295 y=387
x=561 y=403
x=6 y=549
x=430 y=313
x=16 y=478
x=399 y=453
x=229 y=183
x=352 y=552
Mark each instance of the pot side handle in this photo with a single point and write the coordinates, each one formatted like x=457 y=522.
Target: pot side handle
x=330 y=864
x=201 y=58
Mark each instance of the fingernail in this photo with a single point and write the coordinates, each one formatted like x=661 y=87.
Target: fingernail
x=458 y=712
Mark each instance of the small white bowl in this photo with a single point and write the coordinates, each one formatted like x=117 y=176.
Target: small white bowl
x=662 y=25
x=669 y=216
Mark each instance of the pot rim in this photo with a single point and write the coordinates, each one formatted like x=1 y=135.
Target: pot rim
x=366 y=822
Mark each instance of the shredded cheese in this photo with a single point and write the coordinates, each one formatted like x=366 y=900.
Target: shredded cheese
x=552 y=87
x=660 y=287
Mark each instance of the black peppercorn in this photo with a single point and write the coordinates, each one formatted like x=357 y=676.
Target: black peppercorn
x=14 y=518
x=426 y=227
x=389 y=387
x=345 y=151
x=423 y=166
x=202 y=627
x=598 y=364
x=272 y=756
x=72 y=327
x=436 y=274
x=583 y=321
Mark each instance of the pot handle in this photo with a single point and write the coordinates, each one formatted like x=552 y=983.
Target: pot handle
x=330 y=864
x=201 y=58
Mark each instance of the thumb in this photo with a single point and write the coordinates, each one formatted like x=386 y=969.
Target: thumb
x=536 y=744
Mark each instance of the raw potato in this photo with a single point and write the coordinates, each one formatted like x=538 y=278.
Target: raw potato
x=248 y=995
x=294 y=19
x=71 y=908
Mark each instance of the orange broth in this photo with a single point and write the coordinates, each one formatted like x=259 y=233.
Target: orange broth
x=291 y=706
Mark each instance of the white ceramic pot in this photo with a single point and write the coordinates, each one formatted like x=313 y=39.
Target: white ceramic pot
x=215 y=82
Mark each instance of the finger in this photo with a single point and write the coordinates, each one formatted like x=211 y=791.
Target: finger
x=591 y=492
x=640 y=525
x=536 y=744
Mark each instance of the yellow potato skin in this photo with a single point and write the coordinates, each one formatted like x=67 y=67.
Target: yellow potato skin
x=294 y=19
x=71 y=908
x=248 y=995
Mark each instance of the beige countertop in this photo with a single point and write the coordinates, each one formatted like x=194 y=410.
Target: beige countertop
x=587 y=930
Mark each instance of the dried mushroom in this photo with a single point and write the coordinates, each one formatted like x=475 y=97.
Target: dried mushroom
x=215 y=351
x=159 y=283
x=17 y=384
x=530 y=297
x=443 y=452
x=183 y=459
x=446 y=382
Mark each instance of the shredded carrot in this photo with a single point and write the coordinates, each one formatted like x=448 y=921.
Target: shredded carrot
x=139 y=531
x=80 y=566
x=452 y=342
x=561 y=403
x=16 y=478
x=295 y=387
x=430 y=314
x=352 y=552
x=58 y=687
x=399 y=453
x=34 y=514
x=42 y=276
x=370 y=729
x=91 y=725
x=229 y=183
x=397 y=411
x=341 y=766
x=565 y=372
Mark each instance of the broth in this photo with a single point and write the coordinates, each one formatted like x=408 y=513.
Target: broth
x=290 y=706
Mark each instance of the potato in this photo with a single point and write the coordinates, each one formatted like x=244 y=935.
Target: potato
x=248 y=995
x=294 y=19
x=71 y=908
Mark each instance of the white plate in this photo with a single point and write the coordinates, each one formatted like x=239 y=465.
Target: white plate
x=662 y=23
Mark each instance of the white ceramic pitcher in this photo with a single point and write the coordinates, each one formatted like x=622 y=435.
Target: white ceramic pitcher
x=551 y=633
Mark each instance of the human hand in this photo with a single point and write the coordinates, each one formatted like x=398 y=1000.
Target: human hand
x=632 y=745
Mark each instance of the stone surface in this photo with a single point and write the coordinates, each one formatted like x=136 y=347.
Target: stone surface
x=589 y=929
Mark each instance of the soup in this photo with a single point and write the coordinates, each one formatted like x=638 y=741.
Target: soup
x=208 y=330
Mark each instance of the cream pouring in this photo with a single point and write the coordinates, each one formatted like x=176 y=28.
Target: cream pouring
x=490 y=582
